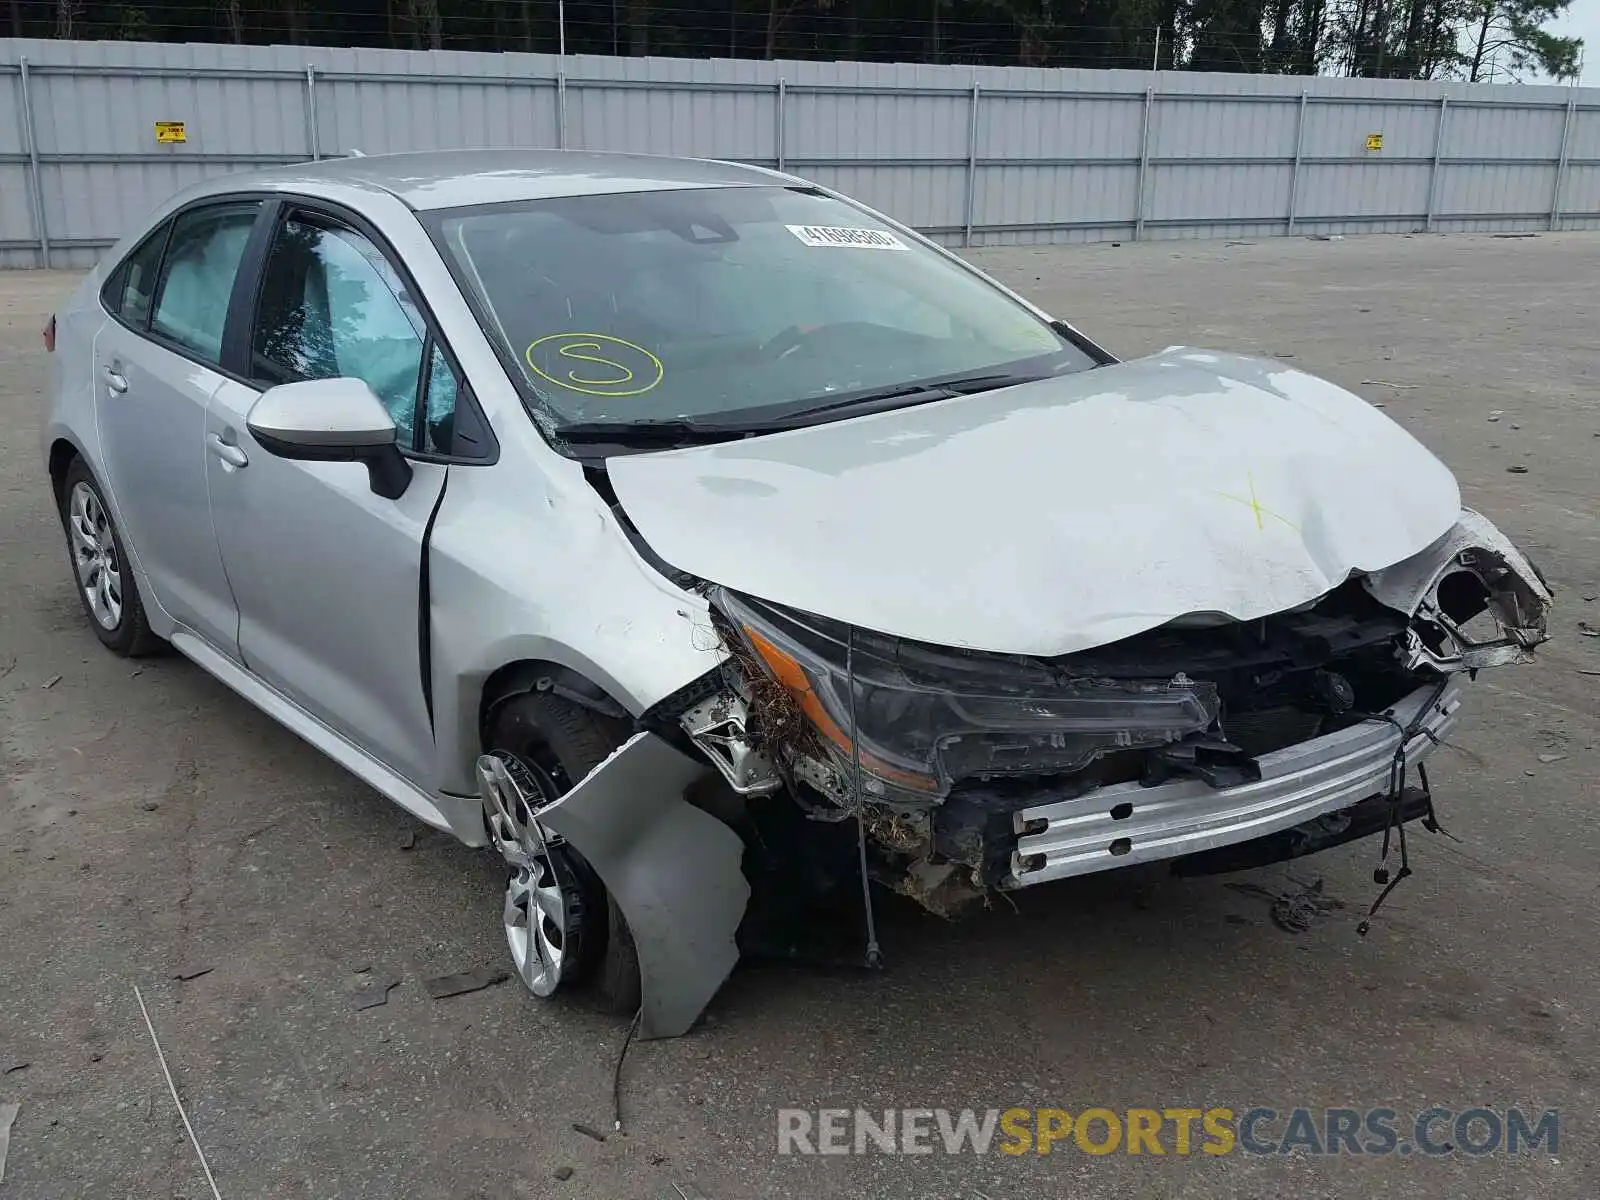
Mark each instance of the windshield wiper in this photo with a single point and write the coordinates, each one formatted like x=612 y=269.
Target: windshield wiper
x=687 y=431
x=674 y=431
x=860 y=403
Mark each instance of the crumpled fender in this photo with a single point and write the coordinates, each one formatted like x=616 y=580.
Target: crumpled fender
x=1518 y=596
x=673 y=869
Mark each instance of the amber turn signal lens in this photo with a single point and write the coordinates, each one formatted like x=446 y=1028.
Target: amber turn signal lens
x=787 y=671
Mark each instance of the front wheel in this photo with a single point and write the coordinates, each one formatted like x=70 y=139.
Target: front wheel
x=562 y=927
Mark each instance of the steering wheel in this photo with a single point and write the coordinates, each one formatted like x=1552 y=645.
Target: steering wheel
x=786 y=341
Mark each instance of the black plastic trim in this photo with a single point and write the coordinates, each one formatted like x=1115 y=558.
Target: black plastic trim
x=241 y=302
x=388 y=471
x=425 y=605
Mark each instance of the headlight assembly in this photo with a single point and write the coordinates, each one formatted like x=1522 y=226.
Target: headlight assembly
x=928 y=716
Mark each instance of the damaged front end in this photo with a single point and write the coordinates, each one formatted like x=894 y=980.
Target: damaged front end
x=950 y=775
x=975 y=772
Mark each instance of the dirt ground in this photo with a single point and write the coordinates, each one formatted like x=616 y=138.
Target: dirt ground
x=152 y=824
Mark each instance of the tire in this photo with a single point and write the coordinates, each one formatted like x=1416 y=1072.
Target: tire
x=565 y=741
x=95 y=550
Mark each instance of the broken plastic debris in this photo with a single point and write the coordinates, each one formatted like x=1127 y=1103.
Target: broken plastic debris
x=443 y=986
x=51 y=682
x=373 y=995
x=8 y=1114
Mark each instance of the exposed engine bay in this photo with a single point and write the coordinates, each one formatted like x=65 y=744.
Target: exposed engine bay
x=956 y=760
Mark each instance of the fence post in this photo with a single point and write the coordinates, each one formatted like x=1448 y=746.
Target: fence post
x=777 y=131
x=1299 y=153
x=972 y=166
x=1144 y=164
x=1561 y=161
x=1438 y=151
x=313 y=135
x=35 y=188
x=561 y=107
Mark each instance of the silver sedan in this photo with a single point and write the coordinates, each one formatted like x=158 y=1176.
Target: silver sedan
x=706 y=542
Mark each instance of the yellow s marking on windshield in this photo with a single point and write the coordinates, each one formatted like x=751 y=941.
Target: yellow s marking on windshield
x=575 y=350
x=601 y=349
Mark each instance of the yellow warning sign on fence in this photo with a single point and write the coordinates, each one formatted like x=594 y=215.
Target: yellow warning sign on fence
x=1374 y=141
x=171 y=131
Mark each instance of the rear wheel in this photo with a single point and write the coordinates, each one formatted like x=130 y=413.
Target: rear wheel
x=100 y=564
x=562 y=926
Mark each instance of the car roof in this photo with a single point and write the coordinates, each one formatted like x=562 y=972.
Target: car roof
x=454 y=178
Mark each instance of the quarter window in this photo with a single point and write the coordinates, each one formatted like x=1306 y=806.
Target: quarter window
x=333 y=306
x=202 y=259
x=438 y=429
x=129 y=290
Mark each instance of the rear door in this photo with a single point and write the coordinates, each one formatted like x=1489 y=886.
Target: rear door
x=156 y=366
x=328 y=575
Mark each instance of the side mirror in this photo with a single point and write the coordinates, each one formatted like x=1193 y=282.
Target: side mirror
x=332 y=420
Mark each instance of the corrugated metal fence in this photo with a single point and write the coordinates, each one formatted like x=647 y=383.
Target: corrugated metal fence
x=973 y=155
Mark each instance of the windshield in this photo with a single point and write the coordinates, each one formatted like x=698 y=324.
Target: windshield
x=647 y=307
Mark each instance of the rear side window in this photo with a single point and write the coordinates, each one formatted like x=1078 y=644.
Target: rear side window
x=196 y=282
x=132 y=285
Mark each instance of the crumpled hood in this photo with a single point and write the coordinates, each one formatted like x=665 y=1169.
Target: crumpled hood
x=1058 y=515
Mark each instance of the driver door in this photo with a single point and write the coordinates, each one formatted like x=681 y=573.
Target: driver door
x=327 y=575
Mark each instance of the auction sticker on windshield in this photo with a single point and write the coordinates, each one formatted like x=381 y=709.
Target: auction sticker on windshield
x=842 y=235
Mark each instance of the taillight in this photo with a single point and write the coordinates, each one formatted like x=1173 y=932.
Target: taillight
x=50 y=336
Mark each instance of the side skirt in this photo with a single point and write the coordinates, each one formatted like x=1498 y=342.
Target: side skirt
x=457 y=815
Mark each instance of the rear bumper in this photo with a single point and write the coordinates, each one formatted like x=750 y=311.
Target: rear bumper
x=1125 y=823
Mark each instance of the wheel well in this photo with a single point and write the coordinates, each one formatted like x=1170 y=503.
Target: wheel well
x=62 y=452
x=520 y=678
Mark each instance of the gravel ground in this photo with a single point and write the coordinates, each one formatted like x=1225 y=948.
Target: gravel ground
x=152 y=825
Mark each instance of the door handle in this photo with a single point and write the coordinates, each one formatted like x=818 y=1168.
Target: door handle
x=227 y=451
x=115 y=380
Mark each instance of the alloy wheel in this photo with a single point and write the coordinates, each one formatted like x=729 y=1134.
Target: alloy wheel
x=94 y=554
x=543 y=910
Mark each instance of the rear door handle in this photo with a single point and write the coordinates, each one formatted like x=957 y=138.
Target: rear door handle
x=227 y=451
x=115 y=380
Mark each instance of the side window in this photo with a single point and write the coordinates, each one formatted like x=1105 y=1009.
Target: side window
x=129 y=289
x=191 y=297
x=332 y=306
